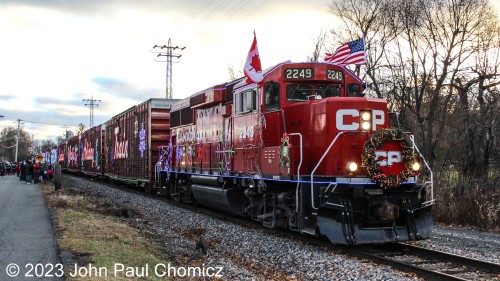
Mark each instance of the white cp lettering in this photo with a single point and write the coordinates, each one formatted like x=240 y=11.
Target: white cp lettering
x=388 y=157
x=378 y=119
x=340 y=119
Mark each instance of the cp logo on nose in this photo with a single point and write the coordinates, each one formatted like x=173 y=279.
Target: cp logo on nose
x=387 y=158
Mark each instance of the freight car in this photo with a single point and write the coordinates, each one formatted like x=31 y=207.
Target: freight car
x=304 y=150
x=123 y=149
x=132 y=142
x=91 y=143
x=62 y=160
x=73 y=155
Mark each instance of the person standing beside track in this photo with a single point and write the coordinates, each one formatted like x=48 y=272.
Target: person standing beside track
x=29 y=172
x=22 y=168
x=7 y=168
x=36 y=172
x=18 y=168
x=2 y=168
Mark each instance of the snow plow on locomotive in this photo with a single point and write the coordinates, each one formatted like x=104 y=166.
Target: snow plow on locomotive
x=303 y=149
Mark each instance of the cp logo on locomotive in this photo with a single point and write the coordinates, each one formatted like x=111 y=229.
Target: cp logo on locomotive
x=387 y=158
x=346 y=119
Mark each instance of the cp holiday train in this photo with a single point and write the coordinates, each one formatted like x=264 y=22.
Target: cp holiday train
x=302 y=150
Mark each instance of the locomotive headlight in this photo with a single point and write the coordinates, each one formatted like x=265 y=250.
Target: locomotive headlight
x=416 y=166
x=365 y=125
x=366 y=116
x=352 y=166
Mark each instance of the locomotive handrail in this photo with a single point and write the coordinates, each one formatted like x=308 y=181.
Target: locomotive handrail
x=431 y=182
x=298 y=172
x=317 y=165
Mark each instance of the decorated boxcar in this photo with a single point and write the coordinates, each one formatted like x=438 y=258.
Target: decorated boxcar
x=92 y=151
x=132 y=141
x=73 y=155
x=62 y=159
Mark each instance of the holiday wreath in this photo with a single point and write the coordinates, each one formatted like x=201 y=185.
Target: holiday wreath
x=371 y=162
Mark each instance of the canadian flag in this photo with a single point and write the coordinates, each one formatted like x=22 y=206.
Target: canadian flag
x=253 y=69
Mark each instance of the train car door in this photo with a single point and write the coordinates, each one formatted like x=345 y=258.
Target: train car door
x=247 y=132
x=273 y=130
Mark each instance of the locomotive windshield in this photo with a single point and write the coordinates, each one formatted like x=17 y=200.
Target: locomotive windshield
x=304 y=92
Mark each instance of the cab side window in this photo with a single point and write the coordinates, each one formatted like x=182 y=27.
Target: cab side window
x=272 y=96
x=246 y=101
x=354 y=90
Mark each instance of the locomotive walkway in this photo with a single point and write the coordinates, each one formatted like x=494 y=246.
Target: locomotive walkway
x=26 y=234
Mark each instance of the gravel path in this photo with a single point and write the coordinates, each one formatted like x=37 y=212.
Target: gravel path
x=249 y=253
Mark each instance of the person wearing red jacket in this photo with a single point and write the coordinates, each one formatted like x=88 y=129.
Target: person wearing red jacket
x=36 y=172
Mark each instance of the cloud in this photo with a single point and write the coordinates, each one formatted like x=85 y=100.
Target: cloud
x=5 y=98
x=123 y=89
x=104 y=6
x=56 y=53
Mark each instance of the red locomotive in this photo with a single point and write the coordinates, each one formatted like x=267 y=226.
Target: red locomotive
x=303 y=149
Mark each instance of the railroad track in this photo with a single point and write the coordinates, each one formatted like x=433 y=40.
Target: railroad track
x=426 y=263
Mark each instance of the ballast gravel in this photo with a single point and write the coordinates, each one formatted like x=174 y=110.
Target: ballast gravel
x=252 y=253
x=464 y=241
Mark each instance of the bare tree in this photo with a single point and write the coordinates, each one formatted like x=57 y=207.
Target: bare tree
x=8 y=144
x=234 y=74
x=80 y=128
x=479 y=98
x=47 y=145
x=319 y=45
x=428 y=59
x=371 y=20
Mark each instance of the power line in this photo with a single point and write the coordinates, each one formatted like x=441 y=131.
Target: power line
x=169 y=54
x=92 y=103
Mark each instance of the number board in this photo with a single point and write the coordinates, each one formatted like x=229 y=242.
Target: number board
x=332 y=74
x=299 y=73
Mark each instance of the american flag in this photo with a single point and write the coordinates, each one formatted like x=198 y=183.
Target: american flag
x=350 y=53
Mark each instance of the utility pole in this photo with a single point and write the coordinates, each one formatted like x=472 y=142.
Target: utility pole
x=92 y=103
x=168 y=52
x=17 y=137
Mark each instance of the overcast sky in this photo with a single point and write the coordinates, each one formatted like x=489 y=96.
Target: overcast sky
x=55 y=53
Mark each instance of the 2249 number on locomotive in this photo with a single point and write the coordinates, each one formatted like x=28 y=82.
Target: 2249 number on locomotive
x=299 y=73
